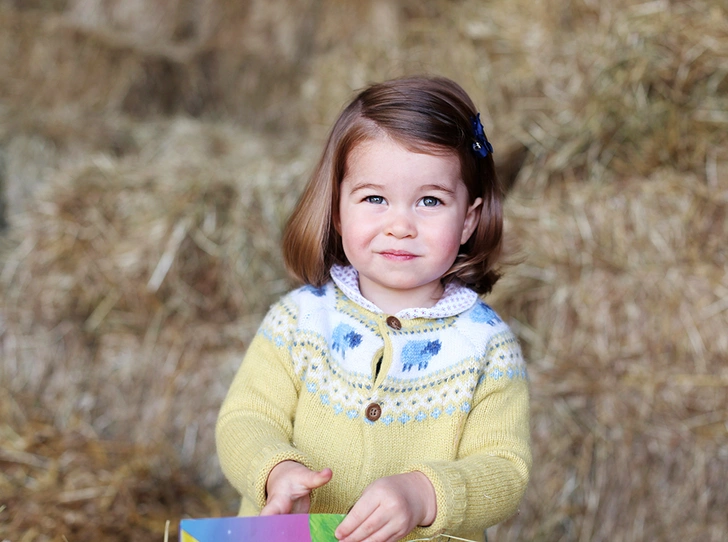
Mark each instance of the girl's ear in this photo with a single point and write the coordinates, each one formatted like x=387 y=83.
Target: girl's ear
x=472 y=217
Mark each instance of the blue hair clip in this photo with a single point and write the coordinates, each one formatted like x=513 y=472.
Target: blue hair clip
x=481 y=145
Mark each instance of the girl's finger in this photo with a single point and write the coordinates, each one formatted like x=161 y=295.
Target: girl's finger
x=274 y=507
x=301 y=506
x=362 y=511
x=376 y=528
x=318 y=479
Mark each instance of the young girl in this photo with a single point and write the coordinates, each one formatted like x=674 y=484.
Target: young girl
x=384 y=388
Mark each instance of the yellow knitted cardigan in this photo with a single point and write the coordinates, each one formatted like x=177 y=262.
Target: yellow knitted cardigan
x=452 y=392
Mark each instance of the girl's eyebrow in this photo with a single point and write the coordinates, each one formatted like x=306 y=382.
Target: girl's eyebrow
x=439 y=188
x=425 y=188
x=366 y=186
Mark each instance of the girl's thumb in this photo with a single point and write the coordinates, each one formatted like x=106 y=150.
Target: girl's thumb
x=320 y=478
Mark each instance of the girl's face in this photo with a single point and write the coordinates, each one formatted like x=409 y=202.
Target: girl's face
x=402 y=218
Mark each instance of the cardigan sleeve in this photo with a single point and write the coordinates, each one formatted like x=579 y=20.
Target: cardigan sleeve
x=255 y=426
x=486 y=482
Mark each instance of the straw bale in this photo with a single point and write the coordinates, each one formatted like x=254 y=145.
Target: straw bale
x=621 y=307
x=147 y=58
x=617 y=89
x=47 y=6
x=588 y=87
x=158 y=20
x=26 y=162
x=53 y=62
x=70 y=485
x=154 y=269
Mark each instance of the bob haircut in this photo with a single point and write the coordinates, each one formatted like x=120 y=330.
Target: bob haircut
x=429 y=115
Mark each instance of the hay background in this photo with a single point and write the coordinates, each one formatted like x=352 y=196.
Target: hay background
x=150 y=152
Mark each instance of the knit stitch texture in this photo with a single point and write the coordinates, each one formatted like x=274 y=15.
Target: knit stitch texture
x=451 y=384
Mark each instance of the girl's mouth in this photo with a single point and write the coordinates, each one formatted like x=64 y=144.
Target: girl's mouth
x=401 y=255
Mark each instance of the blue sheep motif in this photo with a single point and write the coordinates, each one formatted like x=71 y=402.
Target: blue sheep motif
x=419 y=353
x=344 y=338
x=318 y=292
x=483 y=313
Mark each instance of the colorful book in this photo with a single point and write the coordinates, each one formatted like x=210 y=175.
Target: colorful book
x=286 y=528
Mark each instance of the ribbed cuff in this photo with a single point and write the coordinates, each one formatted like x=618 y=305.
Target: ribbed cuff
x=450 y=491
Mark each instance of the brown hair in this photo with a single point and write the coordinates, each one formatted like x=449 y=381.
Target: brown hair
x=425 y=114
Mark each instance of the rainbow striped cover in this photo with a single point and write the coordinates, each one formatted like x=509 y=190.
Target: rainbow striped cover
x=288 y=528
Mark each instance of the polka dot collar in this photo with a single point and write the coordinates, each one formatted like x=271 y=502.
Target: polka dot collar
x=455 y=299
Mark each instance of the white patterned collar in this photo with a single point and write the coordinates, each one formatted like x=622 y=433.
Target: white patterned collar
x=455 y=299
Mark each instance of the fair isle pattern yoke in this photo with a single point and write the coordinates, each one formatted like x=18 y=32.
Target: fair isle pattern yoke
x=430 y=367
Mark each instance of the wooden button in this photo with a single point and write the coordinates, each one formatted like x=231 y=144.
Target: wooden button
x=394 y=323
x=373 y=412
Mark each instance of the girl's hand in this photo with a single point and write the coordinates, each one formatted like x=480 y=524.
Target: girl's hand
x=289 y=488
x=389 y=509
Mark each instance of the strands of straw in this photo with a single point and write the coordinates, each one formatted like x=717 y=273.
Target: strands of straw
x=74 y=485
x=143 y=241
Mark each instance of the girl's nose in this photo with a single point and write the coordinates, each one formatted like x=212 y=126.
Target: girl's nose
x=401 y=224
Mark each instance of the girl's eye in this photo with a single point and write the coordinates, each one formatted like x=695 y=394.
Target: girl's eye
x=374 y=199
x=430 y=201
